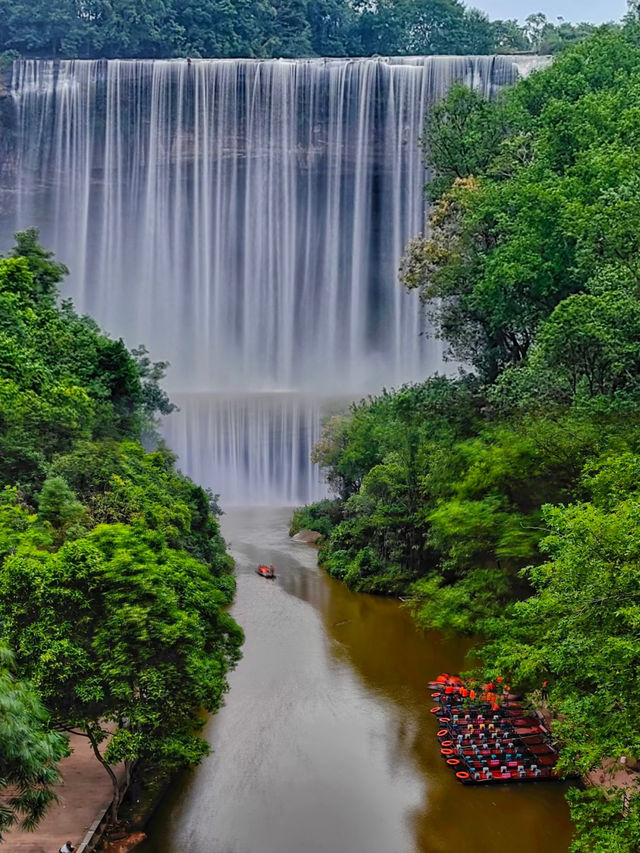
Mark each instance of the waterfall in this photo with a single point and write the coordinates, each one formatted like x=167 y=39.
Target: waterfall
x=260 y=442
x=245 y=220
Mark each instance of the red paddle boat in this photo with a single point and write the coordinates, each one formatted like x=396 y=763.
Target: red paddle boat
x=266 y=571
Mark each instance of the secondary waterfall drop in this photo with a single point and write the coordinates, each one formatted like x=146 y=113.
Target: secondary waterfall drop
x=245 y=219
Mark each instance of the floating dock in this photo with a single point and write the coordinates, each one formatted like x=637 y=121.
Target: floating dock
x=487 y=737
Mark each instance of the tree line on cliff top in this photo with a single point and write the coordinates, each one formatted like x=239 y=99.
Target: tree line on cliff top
x=113 y=575
x=268 y=28
x=506 y=502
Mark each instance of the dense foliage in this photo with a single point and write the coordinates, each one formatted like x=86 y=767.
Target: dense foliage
x=506 y=502
x=113 y=575
x=29 y=754
x=267 y=28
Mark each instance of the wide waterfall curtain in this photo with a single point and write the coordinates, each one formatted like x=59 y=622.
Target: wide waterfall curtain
x=245 y=220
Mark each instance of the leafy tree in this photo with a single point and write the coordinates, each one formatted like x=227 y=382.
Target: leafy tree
x=580 y=633
x=29 y=752
x=46 y=271
x=592 y=341
x=333 y=28
x=462 y=136
x=117 y=627
x=556 y=37
x=289 y=32
x=424 y=27
x=222 y=27
x=58 y=505
x=42 y=29
x=61 y=380
x=509 y=37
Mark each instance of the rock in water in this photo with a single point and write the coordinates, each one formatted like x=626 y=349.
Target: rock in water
x=309 y=537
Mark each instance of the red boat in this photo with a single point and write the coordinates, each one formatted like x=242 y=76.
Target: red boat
x=266 y=571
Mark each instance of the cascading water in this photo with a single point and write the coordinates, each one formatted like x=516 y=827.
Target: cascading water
x=245 y=219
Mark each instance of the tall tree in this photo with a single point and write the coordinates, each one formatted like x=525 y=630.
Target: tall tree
x=222 y=27
x=118 y=628
x=423 y=27
x=289 y=32
x=333 y=28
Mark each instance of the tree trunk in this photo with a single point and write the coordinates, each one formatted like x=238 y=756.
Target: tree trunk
x=115 y=804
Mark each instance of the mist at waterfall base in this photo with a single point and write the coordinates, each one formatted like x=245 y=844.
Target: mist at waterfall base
x=245 y=220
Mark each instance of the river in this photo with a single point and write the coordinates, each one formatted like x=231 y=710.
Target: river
x=326 y=743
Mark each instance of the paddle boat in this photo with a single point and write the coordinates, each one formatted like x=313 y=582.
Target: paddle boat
x=488 y=737
x=266 y=571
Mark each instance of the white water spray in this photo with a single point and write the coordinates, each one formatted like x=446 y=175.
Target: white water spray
x=245 y=219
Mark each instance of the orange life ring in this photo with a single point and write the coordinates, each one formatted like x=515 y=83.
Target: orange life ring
x=443 y=732
x=446 y=751
x=444 y=719
x=453 y=761
x=435 y=695
x=462 y=774
x=436 y=710
x=446 y=743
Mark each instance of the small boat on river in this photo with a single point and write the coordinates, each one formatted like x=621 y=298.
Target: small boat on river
x=266 y=571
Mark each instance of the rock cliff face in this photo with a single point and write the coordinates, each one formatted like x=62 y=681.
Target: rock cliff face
x=8 y=143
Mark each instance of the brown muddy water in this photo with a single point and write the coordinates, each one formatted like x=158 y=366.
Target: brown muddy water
x=326 y=743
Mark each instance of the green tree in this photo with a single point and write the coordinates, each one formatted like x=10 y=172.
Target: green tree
x=514 y=234
x=420 y=27
x=592 y=341
x=46 y=271
x=509 y=37
x=118 y=628
x=41 y=28
x=333 y=28
x=61 y=379
x=222 y=27
x=29 y=752
x=288 y=33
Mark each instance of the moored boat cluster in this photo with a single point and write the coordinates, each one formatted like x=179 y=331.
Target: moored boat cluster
x=487 y=737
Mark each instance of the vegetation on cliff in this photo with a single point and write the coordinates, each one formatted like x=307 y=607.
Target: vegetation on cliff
x=113 y=574
x=267 y=28
x=505 y=501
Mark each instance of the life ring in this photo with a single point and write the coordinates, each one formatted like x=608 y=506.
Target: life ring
x=444 y=719
x=446 y=751
x=443 y=732
x=446 y=743
x=435 y=695
x=453 y=761
x=462 y=774
x=436 y=710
